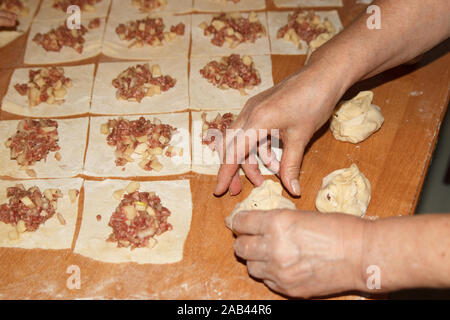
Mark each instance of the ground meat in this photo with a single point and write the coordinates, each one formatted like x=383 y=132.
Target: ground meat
x=139 y=217
x=85 y=5
x=221 y=123
x=148 y=31
x=232 y=72
x=33 y=141
x=304 y=25
x=28 y=209
x=94 y=23
x=143 y=137
x=56 y=39
x=140 y=81
x=15 y=6
x=233 y=29
x=45 y=85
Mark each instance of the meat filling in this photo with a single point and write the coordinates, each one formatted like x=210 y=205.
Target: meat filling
x=232 y=72
x=47 y=85
x=15 y=6
x=148 y=5
x=148 y=31
x=221 y=123
x=56 y=39
x=138 y=219
x=233 y=29
x=304 y=25
x=140 y=81
x=84 y=5
x=143 y=138
x=28 y=209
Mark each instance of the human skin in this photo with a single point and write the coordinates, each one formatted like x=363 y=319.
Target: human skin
x=7 y=19
x=406 y=249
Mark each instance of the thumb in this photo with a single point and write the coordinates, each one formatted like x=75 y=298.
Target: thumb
x=290 y=165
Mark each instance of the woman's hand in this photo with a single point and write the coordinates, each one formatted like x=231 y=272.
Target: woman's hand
x=7 y=18
x=302 y=254
x=297 y=107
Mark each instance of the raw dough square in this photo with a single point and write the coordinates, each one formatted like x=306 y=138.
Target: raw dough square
x=116 y=48
x=47 y=12
x=224 y=5
x=175 y=195
x=36 y=54
x=174 y=6
x=278 y=19
x=9 y=35
x=206 y=161
x=78 y=97
x=72 y=141
x=100 y=156
x=206 y=96
x=307 y=3
x=104 y=99
x=202 y=46
x=52 y=234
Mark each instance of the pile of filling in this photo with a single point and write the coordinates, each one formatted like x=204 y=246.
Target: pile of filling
x=33 y=141
x=141 y=137
x=15 y=6
x=28 y=209
x=304 y=25
x=221 y=123
x=138 y=219
x=94 y=23
x=47 y=85
x=140 y=81
x=84 y=5
x=56 y=39
x=232 y=72
x=233 y=29
x=148 y=5
x=148 y=31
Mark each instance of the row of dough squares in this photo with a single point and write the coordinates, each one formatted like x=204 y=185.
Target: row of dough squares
x=99 y=96
x=105 y=37
x=58 y=232
x=84 y=148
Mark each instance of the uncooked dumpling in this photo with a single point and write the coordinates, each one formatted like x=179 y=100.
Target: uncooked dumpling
x=357 y=119
x=345 y=191
x=268 y=196
x=317 y=43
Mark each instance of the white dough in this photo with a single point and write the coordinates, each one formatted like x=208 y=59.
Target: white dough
x=345 y=191
x=267 y=196
x=357 y=119
x=224 y=5
x=307 y=3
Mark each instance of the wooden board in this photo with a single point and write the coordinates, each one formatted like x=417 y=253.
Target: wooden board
x=413 y=99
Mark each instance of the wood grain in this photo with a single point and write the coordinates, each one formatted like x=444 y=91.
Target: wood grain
x=395 y=160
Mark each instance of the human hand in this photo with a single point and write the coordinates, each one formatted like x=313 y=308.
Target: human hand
x=297 y=108
x=301 y=254
x=7 y=18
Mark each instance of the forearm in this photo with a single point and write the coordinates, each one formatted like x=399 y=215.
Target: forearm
x=411 y=252
x=408 y=29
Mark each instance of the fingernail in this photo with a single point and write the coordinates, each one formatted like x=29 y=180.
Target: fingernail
x=295 y=186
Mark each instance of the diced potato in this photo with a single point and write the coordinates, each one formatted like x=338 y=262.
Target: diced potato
x=141 y=148
x=152 y=242
x=203 y=25
x=104 y=129
x=132 y=187
x=155 y=151
x=118 y=194
x=230 y=31
x=27 y=201
x=60 y=93
x=51 y=99
x=31 y=173
x=218 y=24
x=142 y=139
x=156 y=165
x=141 y=27
x=73 y=194
x=21 y=227
x=89 y=8
x=48 y=129
x=156 y=70
x=130 y=212
x=247 y=60
x=151 y=211
x=58 y=156
x=61 y=219
x=253 y=17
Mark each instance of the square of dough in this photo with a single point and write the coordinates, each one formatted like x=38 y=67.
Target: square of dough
x=72 y=141
x=224 y=5
x=77 y=99
x=100 y=158
x=52 y=234
x=104 y=99
x=206 y=161
x=202 y=46
x=47 y=12
x=116 y=48
x=24 y=21
x=307 y=3
x=206 y=96
x=173 y=6
x=278 y=19
x=36 y=54
x=91 y=242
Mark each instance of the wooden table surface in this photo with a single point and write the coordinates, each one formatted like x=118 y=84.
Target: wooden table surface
x=395 y=160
